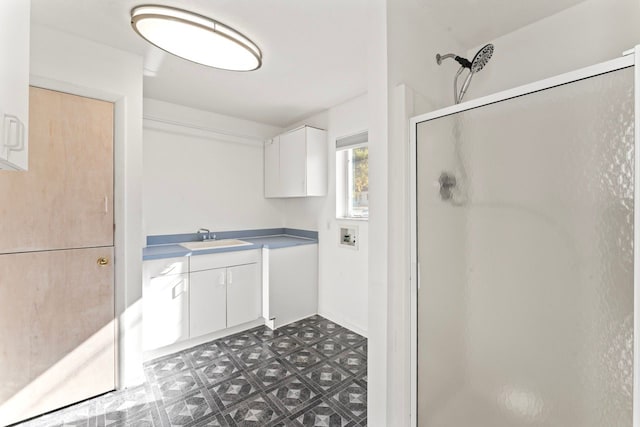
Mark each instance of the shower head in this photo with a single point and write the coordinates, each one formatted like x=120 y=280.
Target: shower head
x=482 y=57
x=480 y=60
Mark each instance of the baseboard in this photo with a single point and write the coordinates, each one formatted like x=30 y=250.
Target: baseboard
x=340 y=320
x=277 y=324
x=192 y=342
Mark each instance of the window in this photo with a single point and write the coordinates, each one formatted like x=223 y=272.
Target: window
x=352 y=177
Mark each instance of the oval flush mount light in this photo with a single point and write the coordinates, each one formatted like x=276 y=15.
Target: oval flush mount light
x=196 y=38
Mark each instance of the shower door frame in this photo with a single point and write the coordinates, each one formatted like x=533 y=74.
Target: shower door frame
x=626 y=61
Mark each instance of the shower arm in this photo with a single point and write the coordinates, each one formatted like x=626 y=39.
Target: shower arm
x=439 y=57
x=460 y=60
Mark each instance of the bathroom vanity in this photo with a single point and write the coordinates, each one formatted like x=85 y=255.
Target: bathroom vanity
x=195 y=291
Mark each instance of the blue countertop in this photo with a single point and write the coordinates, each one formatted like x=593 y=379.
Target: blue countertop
x=171 y=249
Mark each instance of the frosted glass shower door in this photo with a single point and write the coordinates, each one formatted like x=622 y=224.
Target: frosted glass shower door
x=525 y=251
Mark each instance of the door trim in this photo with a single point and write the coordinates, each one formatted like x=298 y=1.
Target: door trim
x=128 y=314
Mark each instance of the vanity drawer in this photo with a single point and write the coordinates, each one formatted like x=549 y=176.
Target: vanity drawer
x=225 y=259
x=165 y=267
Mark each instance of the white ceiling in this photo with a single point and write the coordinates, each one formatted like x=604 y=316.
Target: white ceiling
x=314 y=51
x=475 y=22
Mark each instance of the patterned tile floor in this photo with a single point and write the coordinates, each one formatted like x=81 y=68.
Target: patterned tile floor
x=309 y=373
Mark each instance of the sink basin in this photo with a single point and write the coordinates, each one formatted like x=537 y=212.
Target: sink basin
x=213 y=244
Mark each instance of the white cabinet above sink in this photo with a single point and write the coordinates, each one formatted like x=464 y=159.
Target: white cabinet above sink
x=295 y=164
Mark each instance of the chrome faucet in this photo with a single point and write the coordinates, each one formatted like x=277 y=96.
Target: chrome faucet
x=205 y=233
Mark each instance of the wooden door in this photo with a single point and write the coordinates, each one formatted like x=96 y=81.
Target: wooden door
x=244 y=296
x=57 y=322
x=56 y=328
x=65 y=200
x=207 y=301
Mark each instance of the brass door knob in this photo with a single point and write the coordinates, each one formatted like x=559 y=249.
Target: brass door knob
x=103 y=260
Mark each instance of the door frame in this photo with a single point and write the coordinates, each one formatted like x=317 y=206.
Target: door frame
x=626 y=61
x=125 y=354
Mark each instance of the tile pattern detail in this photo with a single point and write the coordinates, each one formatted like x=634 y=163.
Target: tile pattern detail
x=312 y=372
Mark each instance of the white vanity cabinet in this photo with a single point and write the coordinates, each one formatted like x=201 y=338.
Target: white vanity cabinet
x=191 y=297
x=244 y=294
x=165 y=302
x=14 y=83
x=290 y=277
x=295 y=164
x=208 y=301
x=226 y=291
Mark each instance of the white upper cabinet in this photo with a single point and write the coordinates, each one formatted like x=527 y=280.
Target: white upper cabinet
x=14 y=83
x=271 y=167
x=295 y=164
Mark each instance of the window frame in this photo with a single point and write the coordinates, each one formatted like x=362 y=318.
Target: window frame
x=345 y=180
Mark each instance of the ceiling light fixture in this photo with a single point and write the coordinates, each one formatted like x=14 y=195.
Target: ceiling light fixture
x=195 y=38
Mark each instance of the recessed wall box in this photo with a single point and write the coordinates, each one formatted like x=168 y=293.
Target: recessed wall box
x=349 y=237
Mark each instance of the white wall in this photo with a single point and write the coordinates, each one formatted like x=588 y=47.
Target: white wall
x=70 y=64
x=591 y=32
x=343 y=272
x=378 y=104
x=404 y=40
x=203 y=169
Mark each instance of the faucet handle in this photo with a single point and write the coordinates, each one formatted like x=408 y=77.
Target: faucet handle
x=206 y=233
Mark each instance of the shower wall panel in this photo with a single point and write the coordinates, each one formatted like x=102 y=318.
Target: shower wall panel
x=525 y=306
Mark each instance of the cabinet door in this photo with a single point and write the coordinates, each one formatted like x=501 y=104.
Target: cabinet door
x=316 y=162
x=272 y=168
x=57 y=330
x=14 y=83
x=293 y=283
x=293 y=165
x=244 y=294
x=208 y=301
x=165 y=310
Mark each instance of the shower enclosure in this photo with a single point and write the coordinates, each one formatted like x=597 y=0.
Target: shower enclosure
x=523 y=248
